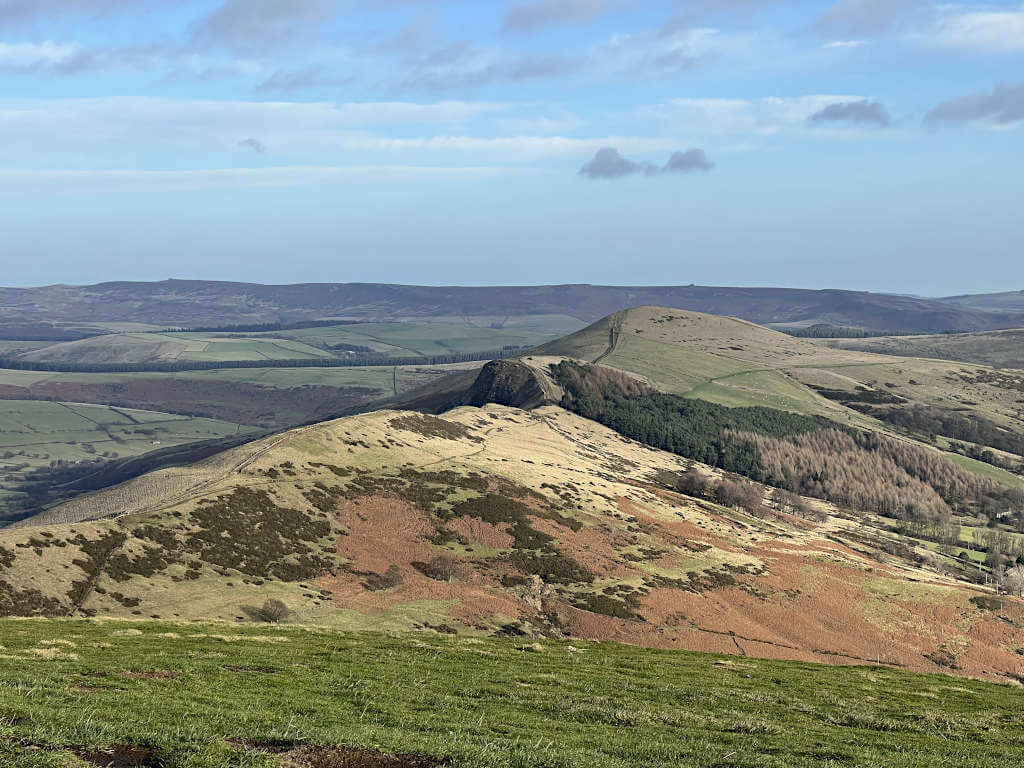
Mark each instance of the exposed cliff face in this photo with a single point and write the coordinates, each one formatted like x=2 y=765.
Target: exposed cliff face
x=513 y=383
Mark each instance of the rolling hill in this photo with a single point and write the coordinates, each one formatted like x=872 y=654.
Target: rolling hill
x=500 y=521
x=593 y=489
x=190 y=303
x=1007 y=301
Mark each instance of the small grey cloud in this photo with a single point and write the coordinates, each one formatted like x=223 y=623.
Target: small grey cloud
x=1003 y=105
x=255 y=145
x=608 y=163
x=865 y=18
x=862 y=112
x=690 y=161
x=535 y=15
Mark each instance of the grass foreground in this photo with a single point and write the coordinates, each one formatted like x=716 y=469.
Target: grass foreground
x=88 y=693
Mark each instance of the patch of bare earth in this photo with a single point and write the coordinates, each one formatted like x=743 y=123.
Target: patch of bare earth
x=120 y=756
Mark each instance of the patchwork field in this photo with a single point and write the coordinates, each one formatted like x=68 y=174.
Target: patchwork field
x=266 y=397
x=424 y=338
x=79 y=693
x=37 y=434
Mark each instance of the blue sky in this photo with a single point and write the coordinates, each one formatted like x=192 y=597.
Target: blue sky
x=870 y=144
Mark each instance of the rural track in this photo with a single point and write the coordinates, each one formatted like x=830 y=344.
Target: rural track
x=206 y=484
x=613 y=338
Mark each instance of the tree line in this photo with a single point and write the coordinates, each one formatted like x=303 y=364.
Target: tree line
x=809 y=455
x=823 y=331
x=262 y=327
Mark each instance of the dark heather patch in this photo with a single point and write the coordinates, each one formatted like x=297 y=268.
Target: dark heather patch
x=245 y=530
x=432 y=426
x=28 y=602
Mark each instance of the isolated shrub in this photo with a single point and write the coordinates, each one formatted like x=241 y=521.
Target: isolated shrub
x=692 y=483
x=392 y=577
x=737 y=493
x=272 y=611
x=441 y=568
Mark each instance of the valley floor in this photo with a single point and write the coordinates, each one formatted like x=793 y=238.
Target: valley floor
x=91 y=693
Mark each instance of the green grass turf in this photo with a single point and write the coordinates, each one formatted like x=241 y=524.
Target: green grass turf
x=193 y=691
x=980 y=467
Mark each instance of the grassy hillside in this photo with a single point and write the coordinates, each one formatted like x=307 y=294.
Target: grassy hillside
x=499 y=522
x=736 y=363
x=212 y=695
x=1012 y=301
x=998 y=349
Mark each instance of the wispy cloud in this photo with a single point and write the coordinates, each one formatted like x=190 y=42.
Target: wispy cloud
x=865 y=18
x=535 y=15
x=15 y=12
x=247 y=25
x=988 y=31
x=284 y=82
x=754 y=117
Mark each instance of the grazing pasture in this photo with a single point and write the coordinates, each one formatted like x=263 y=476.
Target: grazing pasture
x=215 y=695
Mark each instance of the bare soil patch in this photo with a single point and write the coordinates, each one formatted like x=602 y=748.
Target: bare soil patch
x=120 y=756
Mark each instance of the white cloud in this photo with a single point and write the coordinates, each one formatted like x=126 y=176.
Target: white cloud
x=843 y=44
x=767 y=116
x=95 y=132
x=984 y=31
x=27 y=57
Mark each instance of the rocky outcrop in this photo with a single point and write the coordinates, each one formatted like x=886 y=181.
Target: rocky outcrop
x=513 y=383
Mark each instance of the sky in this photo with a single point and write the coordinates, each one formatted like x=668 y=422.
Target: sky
x=862 y=144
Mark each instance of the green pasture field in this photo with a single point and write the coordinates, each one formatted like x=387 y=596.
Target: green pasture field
x=421 y=338
x=237 y=696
